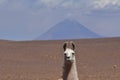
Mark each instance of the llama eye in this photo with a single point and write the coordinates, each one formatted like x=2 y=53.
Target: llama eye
x=65 y=54
x=73 y=53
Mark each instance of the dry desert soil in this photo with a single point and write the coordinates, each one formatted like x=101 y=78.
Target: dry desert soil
x=97 y=59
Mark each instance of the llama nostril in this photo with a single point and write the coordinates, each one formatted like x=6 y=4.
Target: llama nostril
x=68 y=57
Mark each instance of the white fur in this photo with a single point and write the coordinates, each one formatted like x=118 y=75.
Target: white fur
x=68 y=53
x=72 y=75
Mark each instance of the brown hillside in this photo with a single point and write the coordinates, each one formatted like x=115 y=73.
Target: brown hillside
x=97 y=59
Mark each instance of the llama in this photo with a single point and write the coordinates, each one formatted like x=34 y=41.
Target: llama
x=69 y=68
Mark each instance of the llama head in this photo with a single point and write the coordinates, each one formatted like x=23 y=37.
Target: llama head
x=69 y=53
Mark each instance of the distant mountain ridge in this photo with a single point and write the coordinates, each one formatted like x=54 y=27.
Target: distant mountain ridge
x=68 y=29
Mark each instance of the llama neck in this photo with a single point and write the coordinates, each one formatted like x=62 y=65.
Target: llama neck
x=70 y=71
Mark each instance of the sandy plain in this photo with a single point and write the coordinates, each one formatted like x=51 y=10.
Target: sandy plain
x=97 y=59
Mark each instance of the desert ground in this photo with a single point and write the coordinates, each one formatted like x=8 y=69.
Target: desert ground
x=97 y=59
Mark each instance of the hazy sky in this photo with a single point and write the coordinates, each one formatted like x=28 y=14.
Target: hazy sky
x=27 y=19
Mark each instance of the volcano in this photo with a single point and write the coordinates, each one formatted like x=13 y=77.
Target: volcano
x=68 y=29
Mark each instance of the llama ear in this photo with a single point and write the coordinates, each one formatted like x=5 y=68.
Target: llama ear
x=73 y=45
x=65 y=45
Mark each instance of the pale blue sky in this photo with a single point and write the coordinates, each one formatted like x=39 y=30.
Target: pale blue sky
x=27 y=19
